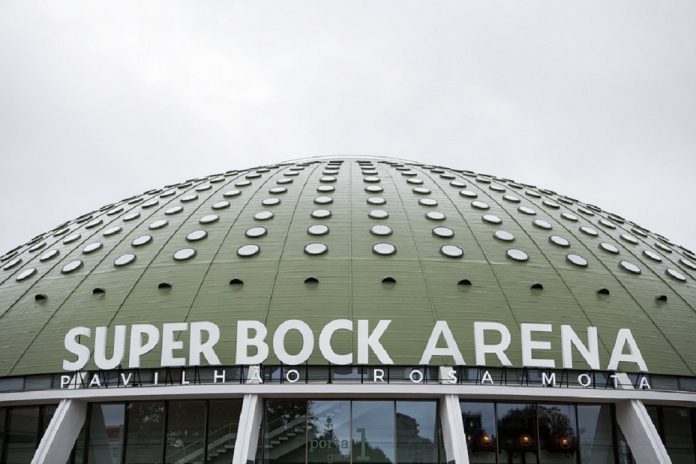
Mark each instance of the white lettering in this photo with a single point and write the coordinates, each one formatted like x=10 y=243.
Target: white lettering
x=126 y=380
x=584 y=380
x=244 y=340
x=325 y=342
x=292 y=376
x=497 y=349
x=442 y=329
x=367 y=340
x=169 y=344
x=644 y=385
x=378 y=375
x=529 y=345
x=137 y=346
x=419 y=377
x=548 y=379
x=100 y=358
x=95 y=382
x=198 y=348
x=217 y=377
x=279 y=342
x=486 y=378
x=623 y=338
x=589 y=353
x=76 y=348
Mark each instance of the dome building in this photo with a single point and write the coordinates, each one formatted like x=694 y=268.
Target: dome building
x=348 y=310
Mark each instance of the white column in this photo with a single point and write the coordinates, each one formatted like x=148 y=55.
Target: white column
x=453 y=430
x=639 y=430
x=60 y=436
x=248 y=432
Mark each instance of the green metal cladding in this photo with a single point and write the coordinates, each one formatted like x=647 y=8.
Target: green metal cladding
x=100 y=269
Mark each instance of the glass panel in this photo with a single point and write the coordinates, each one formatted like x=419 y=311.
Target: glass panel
x=223 y=421
x=46 y=416
x=678 y=435
x=106 y=433
x=185 y=431
x=145 y=439
x=284 y=432
x=328 y=431
x=373 y=431
x=517 y=433
x=3 y=411
x=594 y=427
x=22 y=434
x=479 y=426
x=557 y=436
x=416 y=432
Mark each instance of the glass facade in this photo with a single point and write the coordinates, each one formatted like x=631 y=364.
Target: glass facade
x=676 y=428
x=525 y=433
x=21 y=429
x=335 y=431
x=188 y=431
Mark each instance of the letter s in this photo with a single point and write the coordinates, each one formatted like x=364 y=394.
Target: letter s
x=73 y=346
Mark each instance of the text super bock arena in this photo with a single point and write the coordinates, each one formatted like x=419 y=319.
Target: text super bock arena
x=348 y=310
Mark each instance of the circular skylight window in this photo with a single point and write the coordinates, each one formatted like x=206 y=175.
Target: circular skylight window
x=124 y=260
x=541 y=224
x=315 y=248
x=435 y=216
x=50 y=254
x=569 y=217
x=323 y=200
x=196 y=235
x=491 y=219
x=318 y=229
x=630 y=267
x=25 y=274
x=526 y=210
x=277 y=190
x=421 y=191
x=246 y=251
x=384 y=249
x=451 y=251
x=629 y=238
x=427 y=202
x=479 y=205
x=273 y=201
x=92 y=247
x=256 y=232
x=376 y=200
x=576 y=260
x=373 y=189
x=589 y=231
x=511 y=198
x=676 y=275
x=71 y=238
x=468 y=194
x=209 y=219
x=142 y=240
x=72 y=266
x=517 y=255
x=12 y=264
x=158 y=224
x=263 y=215
x=321 y=213
x=371 y=179
x=231 y=193
x=325 y=188
x=652 y=255
x=327 y=179
x=174 y=210
x=221 y=205
x=184 y=254
x=443 y=232
x=112 y=231
x=381 y=230
x=504 y=236
x=189 y=197
x=609 y=248
x=559 y=241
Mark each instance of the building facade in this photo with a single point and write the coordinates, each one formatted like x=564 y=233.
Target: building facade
x=348 y=310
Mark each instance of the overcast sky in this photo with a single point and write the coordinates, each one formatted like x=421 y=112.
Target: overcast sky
x=596 y=100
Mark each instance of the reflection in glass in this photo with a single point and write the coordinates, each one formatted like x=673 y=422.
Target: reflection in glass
x=517 y=433
x=106 y=433
x=678 y=434
x=223 y=421
x=284 y=432
x=557 y=436
x=22 y=430
x=479 y=427
x=594 y=428
x=145 y=438
x=328 y=431
x=185 y=431
x=416 y=432
x=373 y=431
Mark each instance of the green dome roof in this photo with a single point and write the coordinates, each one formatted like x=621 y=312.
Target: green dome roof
x=350 y=238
